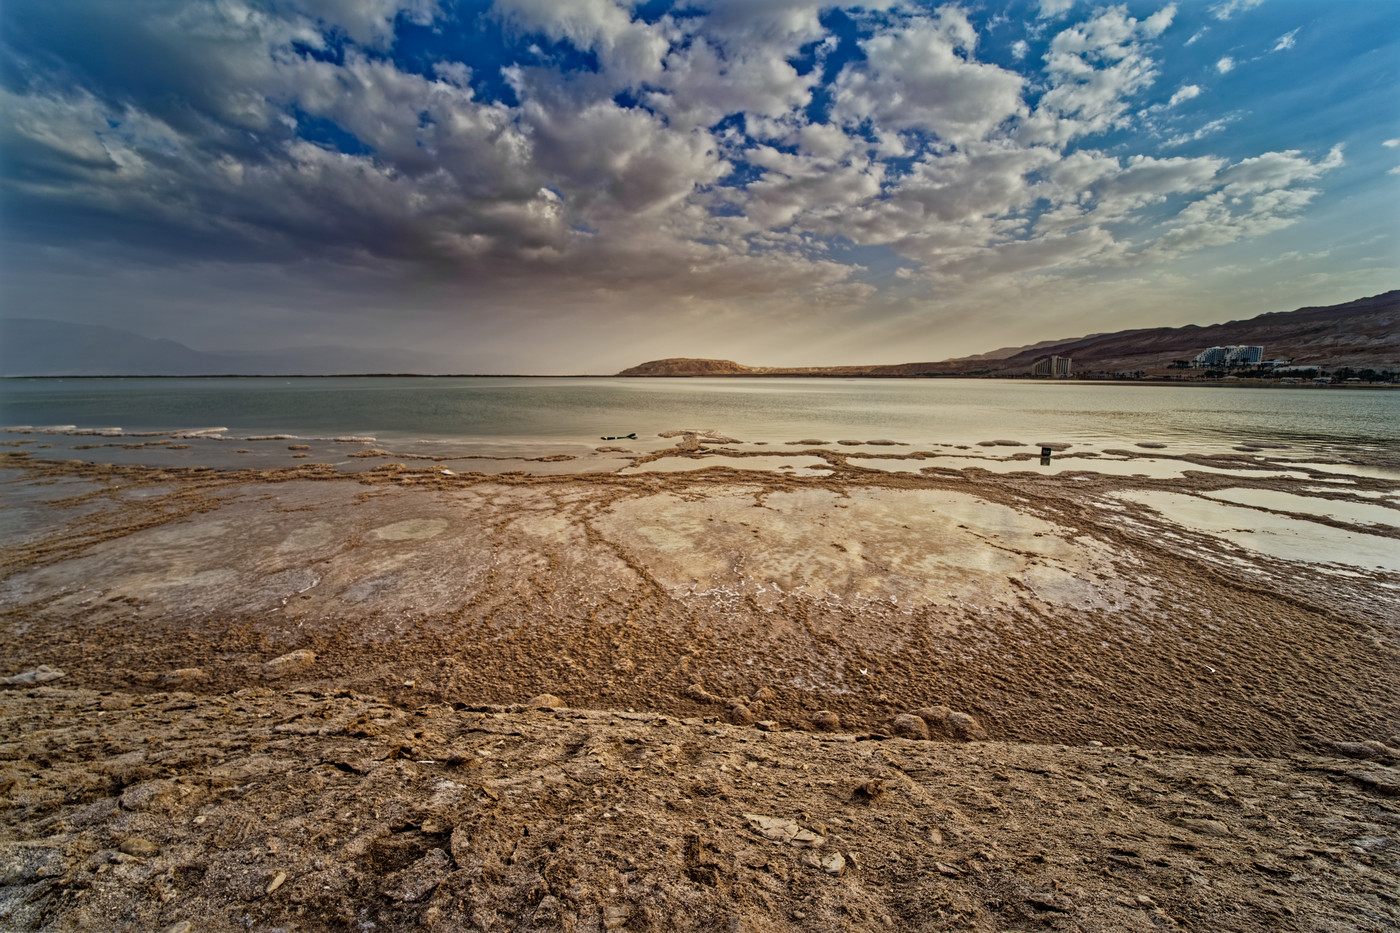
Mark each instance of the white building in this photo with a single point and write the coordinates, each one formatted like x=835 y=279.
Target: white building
x=1228 y=356
x=1057 y=367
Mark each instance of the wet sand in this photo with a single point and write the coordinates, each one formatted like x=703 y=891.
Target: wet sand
x=1068 y=607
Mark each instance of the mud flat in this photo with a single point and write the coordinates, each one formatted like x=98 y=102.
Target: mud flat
x=1135 y=719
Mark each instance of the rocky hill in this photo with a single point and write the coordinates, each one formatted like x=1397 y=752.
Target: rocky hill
x=683 y=366
x=1362 y=333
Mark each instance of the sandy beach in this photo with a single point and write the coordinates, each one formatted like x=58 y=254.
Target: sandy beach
x=1094 y=698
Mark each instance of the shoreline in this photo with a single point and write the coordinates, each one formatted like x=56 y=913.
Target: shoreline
x=300 y=698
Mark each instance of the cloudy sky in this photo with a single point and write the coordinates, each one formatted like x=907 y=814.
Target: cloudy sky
x=580 y=185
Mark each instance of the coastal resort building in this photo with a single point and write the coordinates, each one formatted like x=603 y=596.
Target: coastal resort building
x=1228 y=357
x=1054 y=367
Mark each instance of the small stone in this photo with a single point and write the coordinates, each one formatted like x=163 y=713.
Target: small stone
x=826 y=721
x=739 y=715
x=179 y=926
x=544 y=701
x=947 y=871
x=1207 y=827
x=39 y=675
x=907 y=726
x=276 y=882
x=291 y=663
x=945 y=723
x=420 y=878
x=1145 y=902
x=183 y=676
x=1046 y=900
x=148 y=795
x=615 y=916
x=782 y=830
x=833 y=864
x=139 y=847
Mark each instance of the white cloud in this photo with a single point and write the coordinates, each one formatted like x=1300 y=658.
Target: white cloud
x=1286 y=41
x=565 y=188
x=1207 y=129
x=1185 y=93
x=1019 y=48
x=1053 y=8
x=1223 y=11
x=1225 y=65
x=1093 y=68
x=913 y=78
x=1197 y=36
x=1391 y=143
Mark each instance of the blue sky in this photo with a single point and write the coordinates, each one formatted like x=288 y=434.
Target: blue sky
x=548 y=186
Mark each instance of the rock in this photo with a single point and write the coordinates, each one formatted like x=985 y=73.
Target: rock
x=39 y=675
x=179 y=926
x=833 y=864
x=184 y=676
x=699 y=693
x=291 y=663
x=826 y=721
x=139 y=847
x=148 y=795
x=1047 y=900
x=781 y=830
x=1206 y=827
x=1365 y=750
x=544 y=701
x=948 y=724
x=947 y=871
x=870 y=790
x=739 y=715
x=276 y=881
x=419 y=878
x=615 y=916
x=907 y=726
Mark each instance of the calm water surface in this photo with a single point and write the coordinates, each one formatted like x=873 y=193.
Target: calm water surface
x=503 y=411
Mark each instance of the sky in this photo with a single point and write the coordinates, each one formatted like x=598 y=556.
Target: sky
x=576 y=186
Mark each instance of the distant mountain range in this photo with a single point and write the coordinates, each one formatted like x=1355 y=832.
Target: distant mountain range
x=1360 y=334
x=31 y=347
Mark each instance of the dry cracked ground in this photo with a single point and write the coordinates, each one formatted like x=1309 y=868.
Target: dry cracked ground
x=947 y=699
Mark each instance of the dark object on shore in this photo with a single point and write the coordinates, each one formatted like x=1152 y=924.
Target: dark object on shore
x=1046 y=452
x=622 y=437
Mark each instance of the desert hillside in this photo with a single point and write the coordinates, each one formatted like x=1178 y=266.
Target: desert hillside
x=1360 y=334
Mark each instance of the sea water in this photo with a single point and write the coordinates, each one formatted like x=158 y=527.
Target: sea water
x=522 y=409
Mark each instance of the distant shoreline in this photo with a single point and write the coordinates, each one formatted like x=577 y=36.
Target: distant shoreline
x=1145 y=381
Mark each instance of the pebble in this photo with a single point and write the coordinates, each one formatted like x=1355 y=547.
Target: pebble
x=544 y=701
x=289 y=663
x=945 y=723
x=139 y=847
x=908 y=726
x=276 y=881
x=740 y=715
x=833 y=864
x=826 y=721
x=39 y=675
x=179 y=926
x=183 y=676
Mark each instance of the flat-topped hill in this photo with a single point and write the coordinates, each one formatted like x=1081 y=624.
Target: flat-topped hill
x=683 y=366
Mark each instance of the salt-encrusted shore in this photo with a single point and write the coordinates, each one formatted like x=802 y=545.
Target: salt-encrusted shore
x=206 y=620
